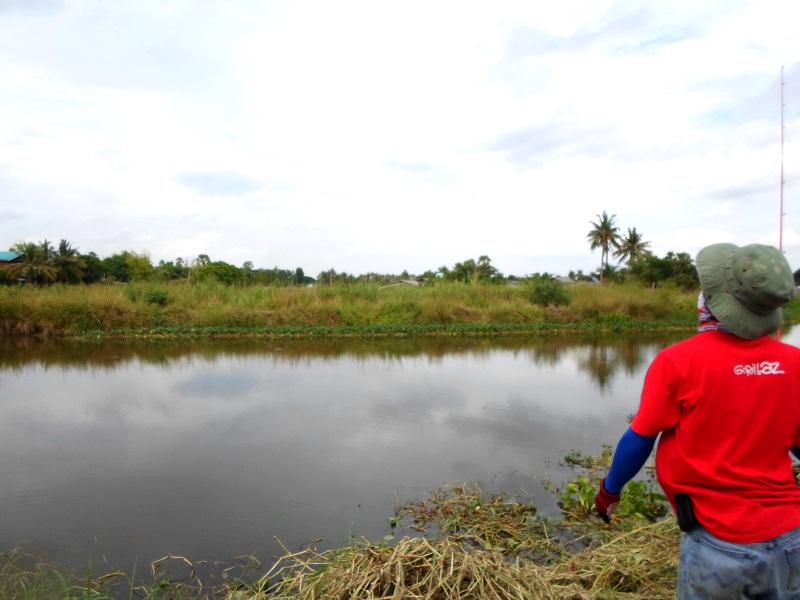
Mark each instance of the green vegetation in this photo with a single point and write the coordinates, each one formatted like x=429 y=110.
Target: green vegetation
x=642 y=266
x=27 y=577
x=605 y=236
x=41 y=264
x=632 y=248
x=640 y=498
x=50 y=291
x=211 y=308
x=476 y=545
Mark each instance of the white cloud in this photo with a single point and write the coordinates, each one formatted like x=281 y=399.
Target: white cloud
x=387 y=136
x=189 y=248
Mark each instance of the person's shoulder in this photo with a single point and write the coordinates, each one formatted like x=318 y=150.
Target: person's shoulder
x=697 y=341
x=703 y=344
x=677 y=353
x=784 y=347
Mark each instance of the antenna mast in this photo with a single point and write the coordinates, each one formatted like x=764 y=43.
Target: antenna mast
x=780 y=247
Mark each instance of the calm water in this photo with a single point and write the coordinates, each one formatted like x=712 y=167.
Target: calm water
x=121 y=453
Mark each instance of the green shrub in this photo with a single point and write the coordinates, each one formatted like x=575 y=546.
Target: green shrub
x=157 y=296
x=613 y=321
x=548 y=293
x=643 y=499
x=640 y=499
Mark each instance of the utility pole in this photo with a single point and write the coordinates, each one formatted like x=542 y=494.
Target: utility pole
x=780 y=238
x=780 y=246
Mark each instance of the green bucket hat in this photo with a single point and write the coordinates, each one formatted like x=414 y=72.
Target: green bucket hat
x=745 y=287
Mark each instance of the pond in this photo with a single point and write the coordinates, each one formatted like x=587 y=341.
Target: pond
x=119 y=453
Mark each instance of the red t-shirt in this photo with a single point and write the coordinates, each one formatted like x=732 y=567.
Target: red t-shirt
x=729 y=410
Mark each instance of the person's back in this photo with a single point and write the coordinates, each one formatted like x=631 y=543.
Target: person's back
x=729 y=420
x=726 y=404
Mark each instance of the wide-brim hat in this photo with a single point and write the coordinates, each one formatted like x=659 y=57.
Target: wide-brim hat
x=745 y=287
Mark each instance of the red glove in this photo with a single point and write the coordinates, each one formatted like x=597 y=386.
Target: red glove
x=605 y=502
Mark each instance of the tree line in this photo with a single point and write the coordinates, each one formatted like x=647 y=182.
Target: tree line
x=43 y=263
x=632 y=251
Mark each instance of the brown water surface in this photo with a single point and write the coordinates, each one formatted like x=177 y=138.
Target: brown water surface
x=121 y=452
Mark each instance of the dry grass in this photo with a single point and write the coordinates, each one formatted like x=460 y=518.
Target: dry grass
x=60 y=310
x=637 y=564
x=632 y=301
x=489 y=548
x=472 y=546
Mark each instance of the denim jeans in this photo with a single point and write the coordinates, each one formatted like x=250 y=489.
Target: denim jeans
x=713 y=569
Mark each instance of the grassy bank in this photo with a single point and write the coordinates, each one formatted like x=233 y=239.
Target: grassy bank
x=204 y=309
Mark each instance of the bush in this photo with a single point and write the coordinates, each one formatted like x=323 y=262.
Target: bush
x=548 y=293
x=157 y=296
x=218 y=271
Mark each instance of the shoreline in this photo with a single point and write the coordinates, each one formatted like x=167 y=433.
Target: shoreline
x=365 y=310
x=468 y=544
x=310 y=332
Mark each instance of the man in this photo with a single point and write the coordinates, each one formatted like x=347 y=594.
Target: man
x=727 y=405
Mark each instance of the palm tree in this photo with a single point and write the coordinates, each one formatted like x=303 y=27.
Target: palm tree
x=33 y=267
x=464 y=271
x=47 y=249
x=484 y=268
x=67 y=263
x=632 y=247
x=604 y=235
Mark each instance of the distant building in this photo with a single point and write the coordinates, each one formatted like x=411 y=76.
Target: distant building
x=564 y=280
x=7 y=258
x=412 y=282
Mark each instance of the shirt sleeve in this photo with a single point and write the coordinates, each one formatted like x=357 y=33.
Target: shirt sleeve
x=632 y=452
x=658 y=408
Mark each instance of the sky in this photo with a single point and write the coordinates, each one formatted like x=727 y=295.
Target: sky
x=380 y=136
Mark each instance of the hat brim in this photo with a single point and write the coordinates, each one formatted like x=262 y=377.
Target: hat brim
x=712 y=265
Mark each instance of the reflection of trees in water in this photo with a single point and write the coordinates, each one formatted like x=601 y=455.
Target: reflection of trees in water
x=596 y=362
x=601 y=356
x=605 y=357
x=551 y=351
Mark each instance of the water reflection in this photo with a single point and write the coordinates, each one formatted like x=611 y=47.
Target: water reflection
x=127 y=451
x=601 y=355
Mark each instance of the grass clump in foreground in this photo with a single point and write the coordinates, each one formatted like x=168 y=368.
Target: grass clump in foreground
x=637 y=563
x=491 y=547
x=472 y=545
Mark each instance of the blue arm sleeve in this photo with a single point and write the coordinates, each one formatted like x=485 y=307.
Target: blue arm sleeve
x=632 y=452
x=795 y=450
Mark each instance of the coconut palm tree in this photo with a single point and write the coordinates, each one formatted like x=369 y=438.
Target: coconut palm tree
x=33 y=268
x=47 y=249
x=604 y=235
x=632 y=247
x=484 y=269
x=67 y=263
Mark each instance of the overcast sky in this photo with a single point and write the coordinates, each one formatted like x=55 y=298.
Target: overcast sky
x=382 y=136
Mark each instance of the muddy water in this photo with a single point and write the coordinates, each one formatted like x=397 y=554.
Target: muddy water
x=120 y=453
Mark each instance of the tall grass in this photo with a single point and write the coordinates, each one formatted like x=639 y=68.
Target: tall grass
x=60 y=310
x=596 y=303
